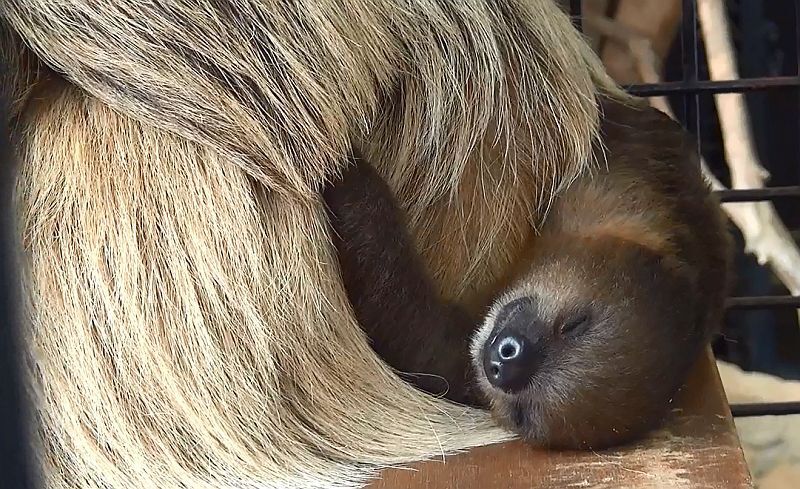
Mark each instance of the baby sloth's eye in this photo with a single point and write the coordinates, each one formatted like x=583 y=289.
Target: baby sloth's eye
x=575 y=324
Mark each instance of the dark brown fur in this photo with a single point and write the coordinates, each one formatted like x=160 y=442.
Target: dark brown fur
x=425 y=338
x=639 y=250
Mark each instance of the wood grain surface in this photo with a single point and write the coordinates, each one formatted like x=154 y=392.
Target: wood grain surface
x=696 y=448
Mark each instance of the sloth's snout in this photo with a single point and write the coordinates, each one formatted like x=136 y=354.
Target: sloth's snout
x=511 y=354
x=509 y=362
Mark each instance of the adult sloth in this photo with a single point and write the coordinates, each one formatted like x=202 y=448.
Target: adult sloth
x=189 y=323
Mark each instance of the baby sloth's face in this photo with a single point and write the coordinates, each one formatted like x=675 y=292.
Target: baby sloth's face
x=523 y=339
x=587 y=353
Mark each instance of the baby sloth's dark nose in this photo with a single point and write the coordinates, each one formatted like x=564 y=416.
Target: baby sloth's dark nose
x=511 y=357
x=510 y=361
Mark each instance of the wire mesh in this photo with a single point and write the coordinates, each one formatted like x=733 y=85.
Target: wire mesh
x=691 y=87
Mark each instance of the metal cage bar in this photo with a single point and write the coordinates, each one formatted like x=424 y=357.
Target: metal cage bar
x=774 y=301
x=575 y=10
x=765 y=409
x=757 y=194
x=691 y=87
x=713 y=86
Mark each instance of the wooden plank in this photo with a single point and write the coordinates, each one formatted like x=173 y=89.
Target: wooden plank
x=697 y=448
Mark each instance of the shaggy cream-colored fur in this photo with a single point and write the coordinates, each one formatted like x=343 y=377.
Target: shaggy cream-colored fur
x=189 y=326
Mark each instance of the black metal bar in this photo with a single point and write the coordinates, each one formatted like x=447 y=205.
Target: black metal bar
x=695 y=77
x=17 y=465
x=776 y=301
x=689 y=62
x=765 y=409
x=797 y=50
x=576 y=14
x=757 y=194
x=689 y=40
x=712 y=86
x=797 y=34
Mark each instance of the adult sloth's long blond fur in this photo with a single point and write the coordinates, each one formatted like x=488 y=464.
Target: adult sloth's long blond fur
x=189 y=327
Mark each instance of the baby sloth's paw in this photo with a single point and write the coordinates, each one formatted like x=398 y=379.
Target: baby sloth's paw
x=588 y=347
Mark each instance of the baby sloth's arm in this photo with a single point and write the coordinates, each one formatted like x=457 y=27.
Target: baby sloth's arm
x=410 y=327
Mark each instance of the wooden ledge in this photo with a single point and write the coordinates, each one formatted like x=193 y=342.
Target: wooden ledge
x=697 y=448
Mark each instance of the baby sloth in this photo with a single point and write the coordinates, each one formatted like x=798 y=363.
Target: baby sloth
x=601 y=320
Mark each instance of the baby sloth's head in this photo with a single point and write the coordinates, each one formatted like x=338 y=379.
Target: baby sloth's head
x=586 y=351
